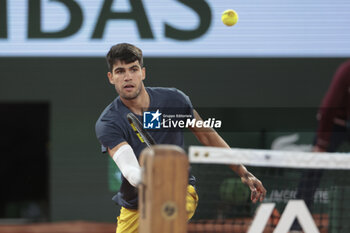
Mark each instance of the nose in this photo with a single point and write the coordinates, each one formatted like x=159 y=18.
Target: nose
x=127 y=76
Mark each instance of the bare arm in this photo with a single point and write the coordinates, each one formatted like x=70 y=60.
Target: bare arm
x=209 y=137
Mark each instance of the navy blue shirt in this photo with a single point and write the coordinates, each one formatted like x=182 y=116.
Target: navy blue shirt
x=112 y=128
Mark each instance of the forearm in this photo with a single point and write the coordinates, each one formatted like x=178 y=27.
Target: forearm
x=209 y=137
x=258 y=192
x=240 y=170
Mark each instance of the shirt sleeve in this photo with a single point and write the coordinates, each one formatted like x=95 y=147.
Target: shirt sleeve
x=109 y=135
x=333 y=104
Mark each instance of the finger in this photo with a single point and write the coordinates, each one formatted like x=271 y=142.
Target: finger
x=254 y=195
x=256 y=189
x=259 y=192
x=262 y=193
x=262 y=188
x=262 y=197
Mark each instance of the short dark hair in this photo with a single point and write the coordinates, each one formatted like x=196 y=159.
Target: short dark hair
x=125 y=52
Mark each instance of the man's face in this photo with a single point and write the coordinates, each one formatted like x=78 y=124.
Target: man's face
x=127 y=79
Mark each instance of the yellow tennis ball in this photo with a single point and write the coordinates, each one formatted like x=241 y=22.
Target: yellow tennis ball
x=229 y=17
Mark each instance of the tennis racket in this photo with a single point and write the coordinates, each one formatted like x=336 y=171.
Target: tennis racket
x=145 y=137
x=141 y=133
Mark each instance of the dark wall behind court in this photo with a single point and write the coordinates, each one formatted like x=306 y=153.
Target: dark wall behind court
x=77 y=91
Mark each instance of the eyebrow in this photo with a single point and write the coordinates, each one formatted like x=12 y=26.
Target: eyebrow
x=122 y=68
x=131 y=67
x=118 y=68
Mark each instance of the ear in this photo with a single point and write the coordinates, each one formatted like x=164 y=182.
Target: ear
x=143 y=73
x=110 y=77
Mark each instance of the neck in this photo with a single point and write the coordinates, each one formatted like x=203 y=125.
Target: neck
x=139 y=104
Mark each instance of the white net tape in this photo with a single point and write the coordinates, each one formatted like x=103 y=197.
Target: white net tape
x=270 y=158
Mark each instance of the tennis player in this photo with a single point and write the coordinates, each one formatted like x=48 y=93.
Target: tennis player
x=126 y=73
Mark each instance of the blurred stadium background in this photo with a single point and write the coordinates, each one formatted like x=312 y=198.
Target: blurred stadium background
x=53 y=86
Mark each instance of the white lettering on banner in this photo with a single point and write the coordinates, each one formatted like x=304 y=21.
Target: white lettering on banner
x=91 y=27
x=190 y=123
x=261 y=217
x=209 y=123
x=321 y=196
x=284 y=195
x=295 y=209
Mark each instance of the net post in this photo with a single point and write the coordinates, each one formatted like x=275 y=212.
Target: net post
x=162 y=194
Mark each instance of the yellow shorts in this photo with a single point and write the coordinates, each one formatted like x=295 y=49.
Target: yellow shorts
x=128 y=220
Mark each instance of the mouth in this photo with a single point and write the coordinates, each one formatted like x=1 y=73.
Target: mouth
x=129 y=87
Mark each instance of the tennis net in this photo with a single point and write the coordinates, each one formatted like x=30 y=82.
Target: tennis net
x=306 y=192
